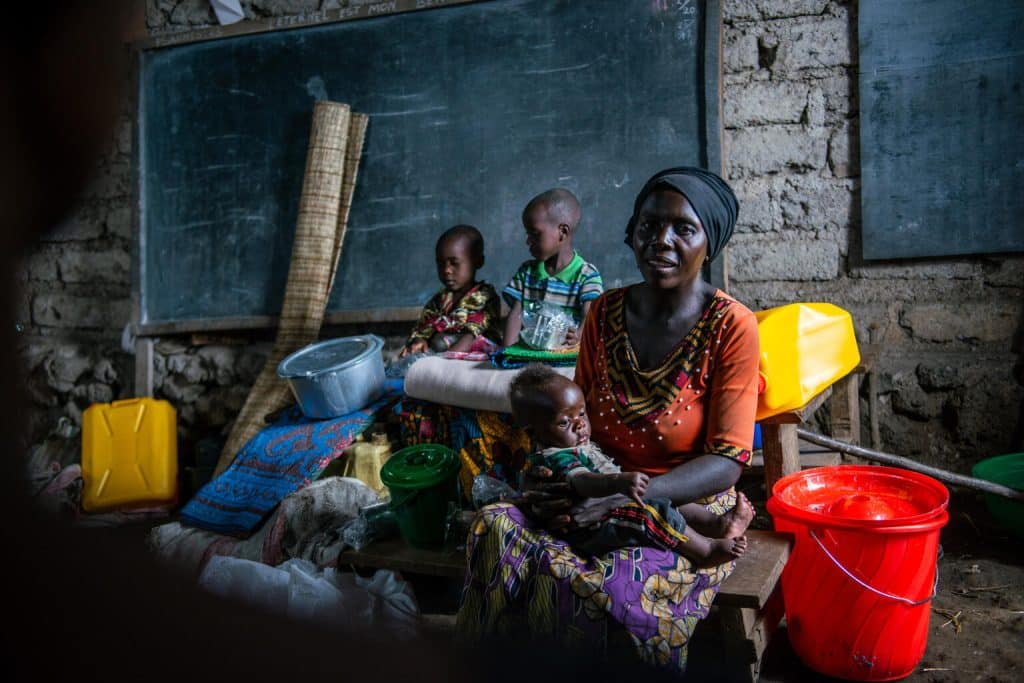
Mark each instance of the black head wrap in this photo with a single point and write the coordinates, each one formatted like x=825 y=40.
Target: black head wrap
x=710 y=196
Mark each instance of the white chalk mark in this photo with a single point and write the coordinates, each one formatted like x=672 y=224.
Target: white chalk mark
x=577 y=67
x=235 y=91
x=412 y=220
x=316 y=88
x=189 y=226
x=396 y=197
x=406 y=112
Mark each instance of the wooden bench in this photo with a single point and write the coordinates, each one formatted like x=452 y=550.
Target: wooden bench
x=748 y=607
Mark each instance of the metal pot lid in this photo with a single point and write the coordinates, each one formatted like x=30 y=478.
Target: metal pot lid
x=329 y=355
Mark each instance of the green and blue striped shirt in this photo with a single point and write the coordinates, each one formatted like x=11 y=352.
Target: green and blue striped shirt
x=569 y=288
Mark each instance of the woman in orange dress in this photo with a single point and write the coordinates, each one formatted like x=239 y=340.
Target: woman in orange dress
x=669 y=371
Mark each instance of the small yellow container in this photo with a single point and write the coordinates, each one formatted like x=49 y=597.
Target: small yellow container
x=805 y=347
x=363 y=460
x=129 y=454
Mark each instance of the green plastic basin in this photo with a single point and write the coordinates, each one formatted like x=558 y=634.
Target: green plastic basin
x=1007 y=470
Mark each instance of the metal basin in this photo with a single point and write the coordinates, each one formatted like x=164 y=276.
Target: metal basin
x=335 y=376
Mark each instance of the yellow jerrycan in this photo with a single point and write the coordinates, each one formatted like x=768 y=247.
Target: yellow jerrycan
x=805 y=347
x=363 y=460
x=129 y=454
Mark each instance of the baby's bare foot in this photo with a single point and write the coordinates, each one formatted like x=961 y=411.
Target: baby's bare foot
x=735 y=521
x=724 y=550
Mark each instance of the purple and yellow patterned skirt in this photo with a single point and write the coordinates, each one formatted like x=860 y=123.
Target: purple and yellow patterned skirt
x=641 y=602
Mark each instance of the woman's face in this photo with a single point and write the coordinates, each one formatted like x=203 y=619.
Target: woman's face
x=669 y=241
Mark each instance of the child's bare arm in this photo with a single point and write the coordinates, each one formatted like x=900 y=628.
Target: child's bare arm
x=513 y=324
x=594 y=485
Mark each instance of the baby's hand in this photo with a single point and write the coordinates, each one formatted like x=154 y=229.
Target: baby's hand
x=418 y=346
x=634 y=485
x=572 y=337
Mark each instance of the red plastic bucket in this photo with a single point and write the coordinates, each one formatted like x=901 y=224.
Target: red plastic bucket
x=859 y=582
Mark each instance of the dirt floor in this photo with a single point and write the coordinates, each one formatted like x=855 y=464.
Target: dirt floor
x=977 y=618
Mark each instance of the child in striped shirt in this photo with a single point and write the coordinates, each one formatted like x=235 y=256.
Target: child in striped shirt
x=556 y=274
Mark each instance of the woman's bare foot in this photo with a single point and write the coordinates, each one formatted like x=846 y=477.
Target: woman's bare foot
x=723 y=550
x=734 y=523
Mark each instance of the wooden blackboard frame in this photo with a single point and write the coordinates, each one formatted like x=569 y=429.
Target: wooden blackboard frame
x=710 y=58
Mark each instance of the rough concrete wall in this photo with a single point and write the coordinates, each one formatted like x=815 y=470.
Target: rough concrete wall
x=75 y=297
x=790 y=99
x=946 y=326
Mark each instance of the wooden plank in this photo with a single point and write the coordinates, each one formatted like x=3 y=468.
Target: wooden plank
x=373 y=315
x=781 y=451
x=143 y=367
x=876 y=434
x=397 y=555
x=807 y=460
x=757 y=572
x=746 y=633
x=800 y=414
x=869 y=355
x=844 y=409
x=750 y=585
x=363 y=11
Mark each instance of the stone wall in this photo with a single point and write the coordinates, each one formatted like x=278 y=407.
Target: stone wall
x=945 y=326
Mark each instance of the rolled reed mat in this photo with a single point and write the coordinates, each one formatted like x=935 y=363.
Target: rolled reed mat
x=356 y=137
x=309 y=272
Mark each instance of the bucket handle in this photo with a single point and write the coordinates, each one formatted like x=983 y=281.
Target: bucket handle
x=898 y=598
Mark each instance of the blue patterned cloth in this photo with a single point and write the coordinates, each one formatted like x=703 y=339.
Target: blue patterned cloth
x=281 y=459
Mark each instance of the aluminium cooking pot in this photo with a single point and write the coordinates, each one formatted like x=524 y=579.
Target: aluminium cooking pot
x=335 y=376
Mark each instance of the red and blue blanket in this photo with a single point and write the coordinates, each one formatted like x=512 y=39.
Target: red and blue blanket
x=284 y=457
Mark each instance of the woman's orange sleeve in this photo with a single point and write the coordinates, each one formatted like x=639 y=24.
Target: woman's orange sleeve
x=733 y=401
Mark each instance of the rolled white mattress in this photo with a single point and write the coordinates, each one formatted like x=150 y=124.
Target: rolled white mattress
x=466 y=384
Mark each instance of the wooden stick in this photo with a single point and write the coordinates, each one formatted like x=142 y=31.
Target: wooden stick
x=913 y=465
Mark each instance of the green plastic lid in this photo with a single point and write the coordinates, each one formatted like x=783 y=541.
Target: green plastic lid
x=419 y=467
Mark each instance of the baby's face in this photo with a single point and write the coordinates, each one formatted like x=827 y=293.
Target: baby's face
x=455 y=267
x=567 y=424
x=543 y=235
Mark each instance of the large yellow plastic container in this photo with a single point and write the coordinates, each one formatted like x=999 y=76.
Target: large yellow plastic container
x=805 y=347
x=129 y=454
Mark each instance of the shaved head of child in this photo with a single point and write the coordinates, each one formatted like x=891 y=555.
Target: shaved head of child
x=560 y=206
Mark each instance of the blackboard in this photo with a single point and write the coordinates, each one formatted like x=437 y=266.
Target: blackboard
x=941 y=122
x=473 y=109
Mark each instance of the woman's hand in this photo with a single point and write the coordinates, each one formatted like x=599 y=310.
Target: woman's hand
x=593 y=510
x=545 y=502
